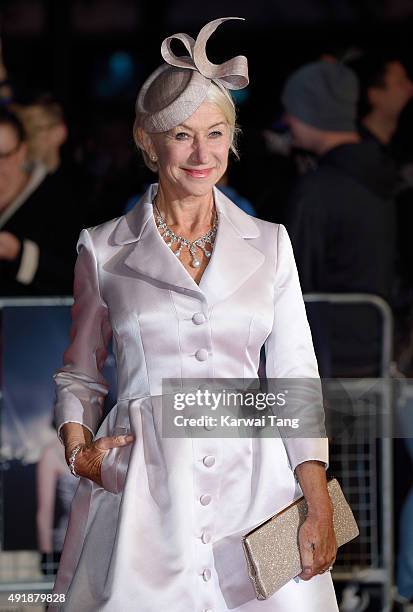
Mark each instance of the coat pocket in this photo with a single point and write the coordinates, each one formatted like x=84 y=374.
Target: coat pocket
x=115 y=464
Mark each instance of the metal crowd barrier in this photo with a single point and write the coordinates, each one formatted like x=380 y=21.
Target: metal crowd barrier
x=370 y=560
x=363 y=464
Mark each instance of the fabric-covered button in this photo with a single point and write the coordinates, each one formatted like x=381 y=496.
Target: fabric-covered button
x=206 y=538
x=201 y=354
x=205 y=499
x=209 y=460
x=206 y=574
x=198 y=318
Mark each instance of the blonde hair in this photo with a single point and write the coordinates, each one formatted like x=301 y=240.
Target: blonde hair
x=223 y=100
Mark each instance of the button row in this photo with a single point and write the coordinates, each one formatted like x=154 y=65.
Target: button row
x=208 y=461
x=205 y=499
x=206 y=574
x=201 y=354
x=198 y=318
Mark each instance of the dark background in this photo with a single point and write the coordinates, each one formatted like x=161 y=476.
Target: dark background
x=94 y=54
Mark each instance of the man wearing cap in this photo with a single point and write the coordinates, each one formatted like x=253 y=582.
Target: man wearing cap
x=341 y=215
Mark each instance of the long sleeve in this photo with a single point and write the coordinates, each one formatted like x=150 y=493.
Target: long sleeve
x=80 y=386
x=290 y=354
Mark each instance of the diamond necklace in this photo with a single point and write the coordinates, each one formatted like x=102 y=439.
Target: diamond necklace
x=199 y=243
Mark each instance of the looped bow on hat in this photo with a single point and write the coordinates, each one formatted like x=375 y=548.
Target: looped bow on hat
x=175 y=90
x=232 y=74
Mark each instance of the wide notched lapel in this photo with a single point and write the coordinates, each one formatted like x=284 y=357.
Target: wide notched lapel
x=232 y=262
x=150 y=256
x=233 y=259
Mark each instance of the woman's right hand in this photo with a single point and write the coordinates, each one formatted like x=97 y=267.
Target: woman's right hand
x=88 y=461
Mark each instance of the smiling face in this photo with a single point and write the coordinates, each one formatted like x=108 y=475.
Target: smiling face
x=192 y=157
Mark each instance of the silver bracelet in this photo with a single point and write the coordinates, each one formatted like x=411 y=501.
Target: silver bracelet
x=72 y=459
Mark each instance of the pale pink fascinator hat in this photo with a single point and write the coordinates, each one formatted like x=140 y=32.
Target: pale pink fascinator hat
x=175 y=90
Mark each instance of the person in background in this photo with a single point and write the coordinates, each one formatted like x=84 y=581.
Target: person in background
x=38 y=224
x=385 y=90
x=46 y=130
x=341 y=216
x=48 y=133
x=55 y=488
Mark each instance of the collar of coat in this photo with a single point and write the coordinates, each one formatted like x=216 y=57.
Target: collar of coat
x=232 y=262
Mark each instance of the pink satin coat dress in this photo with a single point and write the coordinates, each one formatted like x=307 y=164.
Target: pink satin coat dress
x=163 y=533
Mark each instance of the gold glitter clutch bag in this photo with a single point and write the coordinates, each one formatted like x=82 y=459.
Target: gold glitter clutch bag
x=271 y=548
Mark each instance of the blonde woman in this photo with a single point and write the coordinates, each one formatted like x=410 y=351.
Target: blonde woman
x=189 y=286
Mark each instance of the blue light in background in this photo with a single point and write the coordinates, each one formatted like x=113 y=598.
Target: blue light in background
x=117 y=76
x=240 y=96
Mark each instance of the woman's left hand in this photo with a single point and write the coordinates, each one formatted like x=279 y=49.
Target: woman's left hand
x=317 y=543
